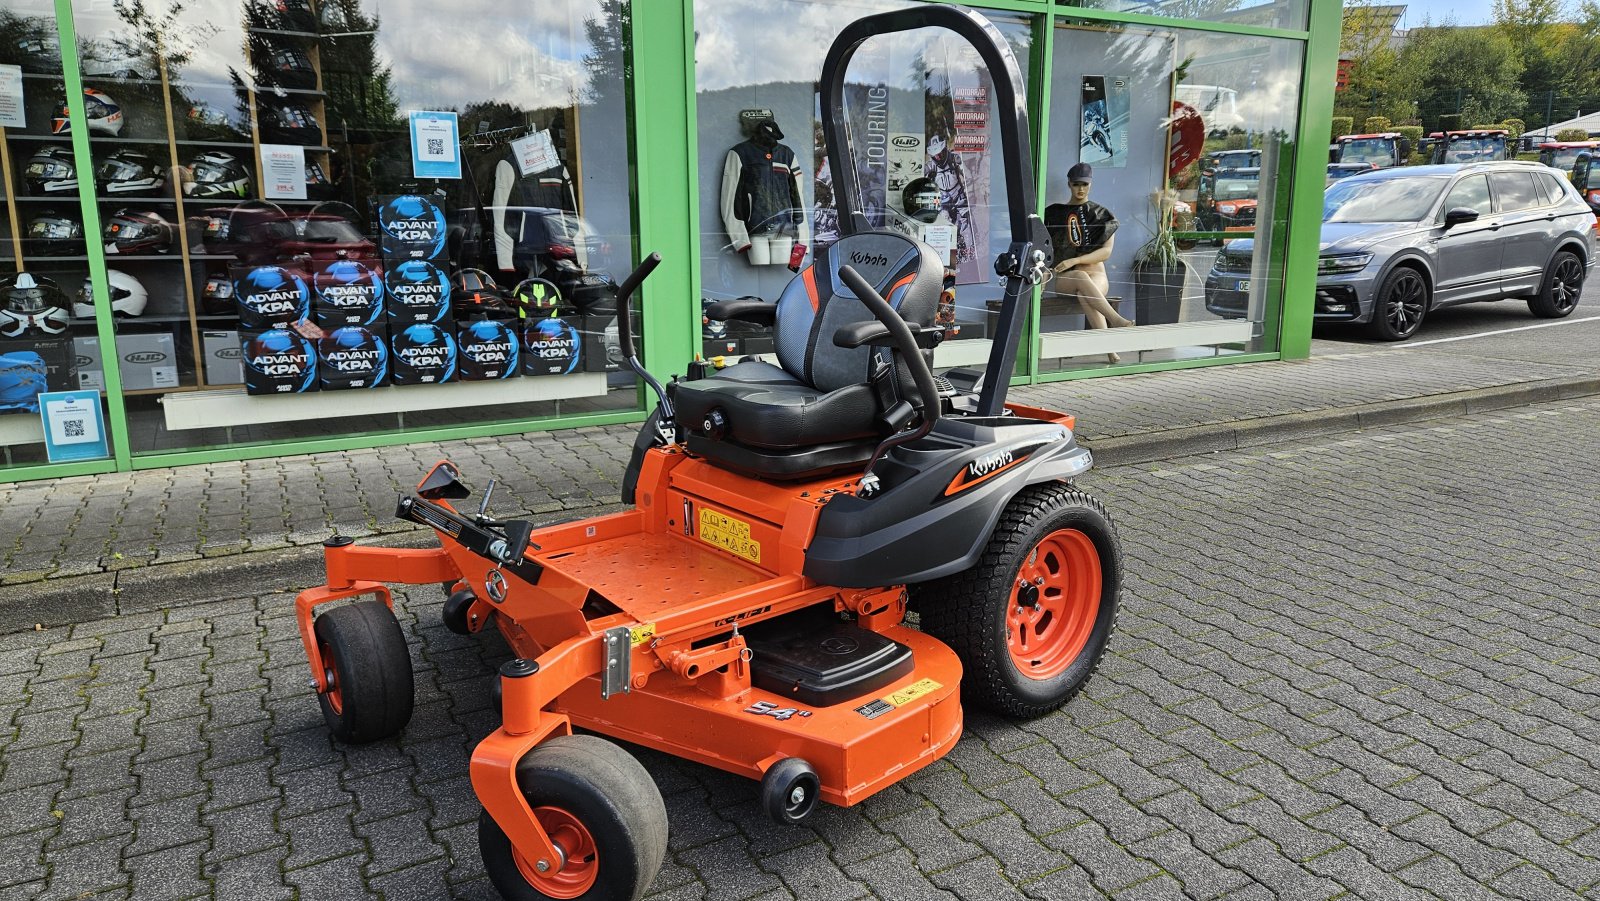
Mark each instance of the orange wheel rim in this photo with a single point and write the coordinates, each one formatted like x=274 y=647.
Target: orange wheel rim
x=1054 y=602
x=583 y=861
x=330 y=673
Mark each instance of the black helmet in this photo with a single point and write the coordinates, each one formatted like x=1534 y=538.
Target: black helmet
x=50 y=233
x=920 y=200
x=130 y=172
x=286 y=67
x=51 y=171
x=216 y=298
x=290 y=123
x=318 y=187
x=217 y=174
x=31 y=303
x=139 y=231
x=473 y=292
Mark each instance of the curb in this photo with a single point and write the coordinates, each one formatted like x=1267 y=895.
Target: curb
x=1149 y=447
x=74 y=599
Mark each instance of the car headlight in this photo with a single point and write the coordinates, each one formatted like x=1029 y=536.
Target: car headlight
x=1349 y=262
x=1226 y=209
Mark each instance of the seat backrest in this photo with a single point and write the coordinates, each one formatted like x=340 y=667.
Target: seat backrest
x=816 y=304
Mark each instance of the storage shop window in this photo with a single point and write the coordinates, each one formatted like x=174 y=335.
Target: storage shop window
x=43 y=255
x=1286 y=14
x=927 y=157
x=316 y=223
x=1168 y=168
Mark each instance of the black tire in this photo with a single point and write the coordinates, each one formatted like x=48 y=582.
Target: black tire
x=1562 y=286
x=972 y=611
x=606 y=790
x=364 y=653
x=779 y=788
x=1400 y=304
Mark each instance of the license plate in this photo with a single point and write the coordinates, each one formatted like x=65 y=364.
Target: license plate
x=1244 y=285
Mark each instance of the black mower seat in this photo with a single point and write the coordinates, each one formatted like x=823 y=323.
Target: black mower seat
x=818 y=411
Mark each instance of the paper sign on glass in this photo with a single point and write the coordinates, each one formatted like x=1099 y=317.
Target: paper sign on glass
x=435 y=145
x=12 y=114
x=535 y=153
x=283 y=170
x=74 y=426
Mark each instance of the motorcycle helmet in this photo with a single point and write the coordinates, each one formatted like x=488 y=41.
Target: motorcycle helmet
x=52 y=234
x=50 y=171
x=139 y=231
x=536 y=298
x=130 y=171
x=318 y=186
x=287 y=67
x=216 y=298
x=217 y=174
x=128 y=296
x=32 y=303
x=920 y=199
x=290 y=123
x=288 y=15
x=474 y=292
x=104 y=115
x=23 y=377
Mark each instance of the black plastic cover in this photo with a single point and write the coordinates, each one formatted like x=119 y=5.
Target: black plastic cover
x=826 y=665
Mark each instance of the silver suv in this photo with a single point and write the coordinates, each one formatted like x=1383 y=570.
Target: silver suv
x=1398 y=242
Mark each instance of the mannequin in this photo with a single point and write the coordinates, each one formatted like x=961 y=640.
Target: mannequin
x=762 y=208
x=512 y=192
x=1081 y=232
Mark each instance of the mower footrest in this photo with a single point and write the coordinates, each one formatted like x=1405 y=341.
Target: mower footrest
x=828 y=664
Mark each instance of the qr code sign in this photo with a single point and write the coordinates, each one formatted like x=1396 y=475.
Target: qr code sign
x=436 y=147
x=72 y=428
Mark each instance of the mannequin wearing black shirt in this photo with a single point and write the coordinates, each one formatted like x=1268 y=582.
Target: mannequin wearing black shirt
x=1081 y=232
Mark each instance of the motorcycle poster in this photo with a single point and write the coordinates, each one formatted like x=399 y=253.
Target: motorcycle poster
x=1103 y=141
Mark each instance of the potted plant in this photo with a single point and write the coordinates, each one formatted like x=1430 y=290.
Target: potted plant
x=1158 y=271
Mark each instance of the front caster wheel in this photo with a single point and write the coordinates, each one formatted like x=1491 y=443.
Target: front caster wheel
x=789 y=790
x=1031 y=619
x=368 y=669
x=599 y=807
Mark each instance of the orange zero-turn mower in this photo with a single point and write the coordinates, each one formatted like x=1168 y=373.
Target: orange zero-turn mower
x=748 y=612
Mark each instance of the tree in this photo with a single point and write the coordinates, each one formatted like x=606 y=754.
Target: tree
x=1377 y=85
x=1472 y=71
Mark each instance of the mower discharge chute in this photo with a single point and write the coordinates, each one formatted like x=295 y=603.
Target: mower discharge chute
x=748 y=611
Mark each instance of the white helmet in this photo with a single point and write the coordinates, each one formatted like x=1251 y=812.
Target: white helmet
x=128 y=296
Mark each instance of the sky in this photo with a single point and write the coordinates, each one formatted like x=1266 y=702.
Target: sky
x=1465 y=12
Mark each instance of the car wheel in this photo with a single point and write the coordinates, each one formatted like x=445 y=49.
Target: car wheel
x=1562 y=285
x=1401 y=303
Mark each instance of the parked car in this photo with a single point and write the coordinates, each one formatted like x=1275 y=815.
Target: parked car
x=1397 y=243
x=1337 y=171
x=1586 y=179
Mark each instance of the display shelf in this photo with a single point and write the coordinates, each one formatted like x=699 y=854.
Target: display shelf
x=146 y=392
x=123 y=198
x=20 y=428
x=232 y=145
x=66 y=139
x=45 y=259
x=214 y=408
x=278 y=32
x=1087 y=342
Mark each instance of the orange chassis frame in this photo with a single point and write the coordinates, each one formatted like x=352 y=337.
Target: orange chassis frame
x=703 y=551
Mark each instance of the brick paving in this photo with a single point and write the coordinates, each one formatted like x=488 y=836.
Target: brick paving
x=1355 y=666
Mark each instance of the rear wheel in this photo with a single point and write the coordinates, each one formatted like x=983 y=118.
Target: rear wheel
x=599 y=806
x=1558 y=293
x=368 y=669
x=1031 y=620
x=1401 y=302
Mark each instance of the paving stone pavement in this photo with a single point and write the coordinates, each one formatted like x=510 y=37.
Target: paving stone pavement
x=1361 y=667
x=124 y=521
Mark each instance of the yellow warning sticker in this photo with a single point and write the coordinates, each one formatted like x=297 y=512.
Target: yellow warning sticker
x=642 y=634
x=913 y=691
x=732 y=535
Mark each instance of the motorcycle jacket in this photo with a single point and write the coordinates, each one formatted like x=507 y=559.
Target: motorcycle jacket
x=1078 y=229
x=761 y=193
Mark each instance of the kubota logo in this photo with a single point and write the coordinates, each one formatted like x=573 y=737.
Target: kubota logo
x=869 y=259
x=992 y=463
x=983 y=468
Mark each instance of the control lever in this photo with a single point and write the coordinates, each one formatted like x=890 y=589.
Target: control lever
x=483 y=517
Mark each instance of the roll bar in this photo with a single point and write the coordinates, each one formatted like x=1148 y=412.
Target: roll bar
x=1026 y=261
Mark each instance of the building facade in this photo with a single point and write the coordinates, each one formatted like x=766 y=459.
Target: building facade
x=236 y=229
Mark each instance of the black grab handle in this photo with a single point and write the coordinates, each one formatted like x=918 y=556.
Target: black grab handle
x=904 y=340
x=625 y=333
